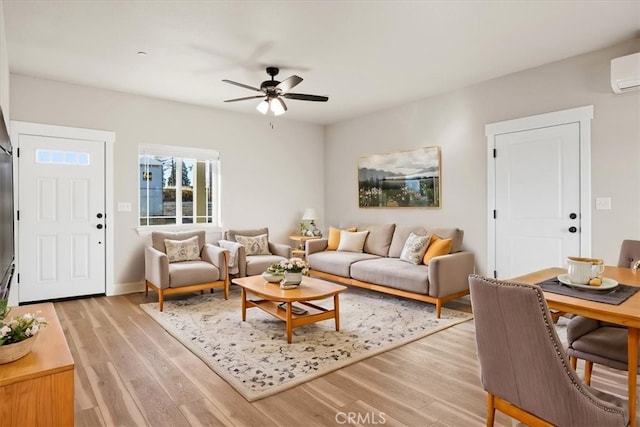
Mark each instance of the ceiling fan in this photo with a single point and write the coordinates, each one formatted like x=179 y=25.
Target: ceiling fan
x=273 y=91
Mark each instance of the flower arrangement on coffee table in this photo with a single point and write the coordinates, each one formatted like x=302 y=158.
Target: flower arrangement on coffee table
x=288 y=272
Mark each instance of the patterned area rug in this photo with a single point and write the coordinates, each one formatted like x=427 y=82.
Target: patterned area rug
x=254 y=356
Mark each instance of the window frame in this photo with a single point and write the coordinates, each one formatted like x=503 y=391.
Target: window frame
x=178 y=153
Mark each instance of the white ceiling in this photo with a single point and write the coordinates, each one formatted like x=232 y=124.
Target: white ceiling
x=364 y=55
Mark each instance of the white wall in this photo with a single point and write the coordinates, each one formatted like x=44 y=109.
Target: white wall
x=455 y=122
x=269 y=176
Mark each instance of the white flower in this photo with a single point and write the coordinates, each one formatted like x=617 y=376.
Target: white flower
x=5 y=330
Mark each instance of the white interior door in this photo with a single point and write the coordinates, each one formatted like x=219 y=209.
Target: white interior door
x=537 y=198
x=62 y=217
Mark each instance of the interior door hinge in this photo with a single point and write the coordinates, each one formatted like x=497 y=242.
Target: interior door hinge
x=18 y=278
x=495 y=153
x=18 y=151
x=495 y=274
x=18 y=215
x=495 y=214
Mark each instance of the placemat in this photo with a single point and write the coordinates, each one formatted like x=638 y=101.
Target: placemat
x=615 y=296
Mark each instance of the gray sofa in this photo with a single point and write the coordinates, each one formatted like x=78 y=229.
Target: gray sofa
x=380 y=268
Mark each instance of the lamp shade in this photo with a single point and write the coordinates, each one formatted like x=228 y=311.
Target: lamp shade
x=309 y=214
x=263 y=107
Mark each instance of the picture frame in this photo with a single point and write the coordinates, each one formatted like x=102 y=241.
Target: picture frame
x=405 y=179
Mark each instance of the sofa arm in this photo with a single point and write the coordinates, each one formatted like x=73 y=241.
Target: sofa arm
x=156 y=267
x=449 y=274
x=217 y=256
x=315 y=245
x=280 y=249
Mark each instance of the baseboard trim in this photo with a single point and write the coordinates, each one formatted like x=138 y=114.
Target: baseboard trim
x=126 y=288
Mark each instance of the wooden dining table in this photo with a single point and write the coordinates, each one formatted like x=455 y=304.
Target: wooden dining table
x=625 y=314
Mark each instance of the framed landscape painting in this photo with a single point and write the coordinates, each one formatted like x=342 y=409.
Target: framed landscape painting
x=407 y=179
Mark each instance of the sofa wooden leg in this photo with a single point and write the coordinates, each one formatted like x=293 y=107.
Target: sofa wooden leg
x=160 y=299
x=146 y=288
x=573 y=361
x=438 y=309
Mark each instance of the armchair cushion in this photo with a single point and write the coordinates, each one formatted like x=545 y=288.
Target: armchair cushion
x=183 y=250
x=255 y=245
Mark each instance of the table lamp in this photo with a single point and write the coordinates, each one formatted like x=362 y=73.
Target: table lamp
x=311 y=216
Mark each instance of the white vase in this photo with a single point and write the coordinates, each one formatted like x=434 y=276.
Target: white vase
x=291 y=278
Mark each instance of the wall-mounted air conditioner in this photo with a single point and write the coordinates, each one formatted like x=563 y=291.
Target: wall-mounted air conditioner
x=625 y=73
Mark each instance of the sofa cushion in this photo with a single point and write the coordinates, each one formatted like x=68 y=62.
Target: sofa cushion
x=182 y=250
x=352 y=241
x=378 y=239
x=455 y=234
x=415 y=248
x=437 y=247
x=394 y=273
x=192 y=272
x=400 y=236
x=334 y=237
x=338 y=263
x=255 y=245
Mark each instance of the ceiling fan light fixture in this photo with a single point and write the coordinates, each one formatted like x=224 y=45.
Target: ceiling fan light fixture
x=278 y=107
x=263 y=107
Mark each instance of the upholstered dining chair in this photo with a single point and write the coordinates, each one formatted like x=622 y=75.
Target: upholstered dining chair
x=600 y=342
x=524 y=368
x=184 y=262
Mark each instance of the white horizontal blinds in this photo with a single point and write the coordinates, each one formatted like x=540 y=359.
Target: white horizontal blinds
x=179 y=185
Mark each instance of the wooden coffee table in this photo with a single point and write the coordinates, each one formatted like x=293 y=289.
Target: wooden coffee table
x=309 y=290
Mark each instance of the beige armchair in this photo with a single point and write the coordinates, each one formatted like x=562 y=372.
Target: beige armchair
x=255 y=252
x=600 y=342
x=184 y=262
x=524 y=368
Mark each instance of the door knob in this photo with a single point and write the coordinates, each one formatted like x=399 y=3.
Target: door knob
x=573 y=215
x=99 y=226
x=572 y=229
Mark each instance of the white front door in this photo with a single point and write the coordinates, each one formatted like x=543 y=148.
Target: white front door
x=537 y=206
x=61 y=203
x=538 y=191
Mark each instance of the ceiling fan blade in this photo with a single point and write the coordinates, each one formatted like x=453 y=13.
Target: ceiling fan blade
x=242 y=85
x=289 y=83
x=244 y=99
x=305 y=97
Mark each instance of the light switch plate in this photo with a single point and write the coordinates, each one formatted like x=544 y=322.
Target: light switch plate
x=603 y=203
x=124 y=207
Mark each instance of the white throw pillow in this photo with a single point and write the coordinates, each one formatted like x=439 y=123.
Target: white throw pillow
x=183 y=250
x=415 y=248
x=256 y=245
x=352 y=241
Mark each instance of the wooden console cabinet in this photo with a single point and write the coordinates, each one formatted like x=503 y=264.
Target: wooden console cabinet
x=37 y=390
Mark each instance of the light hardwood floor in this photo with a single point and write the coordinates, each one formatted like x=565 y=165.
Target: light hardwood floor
x=130 y=372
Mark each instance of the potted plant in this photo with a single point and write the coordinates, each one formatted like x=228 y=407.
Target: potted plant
x=293 y=269
x=17 y=334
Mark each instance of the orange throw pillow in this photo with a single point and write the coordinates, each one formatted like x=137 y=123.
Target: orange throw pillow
x=334 y=237
x=437 y=247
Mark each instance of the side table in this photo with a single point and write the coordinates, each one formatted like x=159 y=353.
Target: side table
x=298 y=250
x=37 y=390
